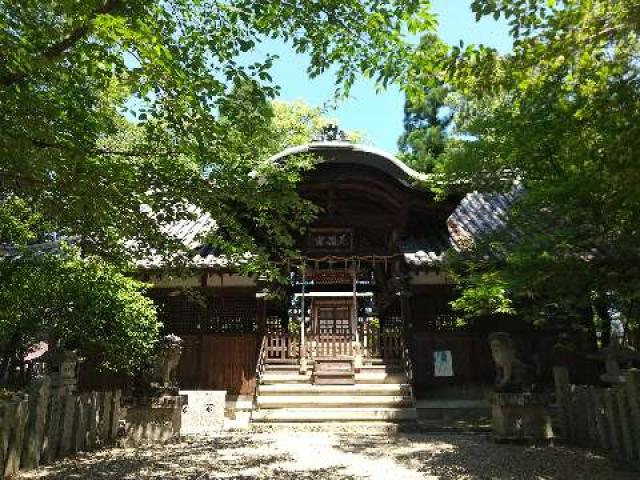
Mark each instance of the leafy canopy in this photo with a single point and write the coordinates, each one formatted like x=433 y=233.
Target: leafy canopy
x=560 y=114
x=78 y=303
x=71 y=70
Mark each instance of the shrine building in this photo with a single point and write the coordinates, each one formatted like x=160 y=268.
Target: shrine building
x=364 y=326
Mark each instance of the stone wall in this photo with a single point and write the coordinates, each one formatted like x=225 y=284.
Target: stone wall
x=44 y=423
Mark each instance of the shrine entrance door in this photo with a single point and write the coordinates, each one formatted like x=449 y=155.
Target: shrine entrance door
x=332 y=332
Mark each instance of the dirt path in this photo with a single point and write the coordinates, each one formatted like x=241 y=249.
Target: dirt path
x=337 y=454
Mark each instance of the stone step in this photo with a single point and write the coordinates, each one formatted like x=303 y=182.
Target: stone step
x=357 y=389
x=270 y=378
x=381 y=368
x=334 y=414
x=335 y=401
x=380 y=377
x=281 y=366
x=366 y=377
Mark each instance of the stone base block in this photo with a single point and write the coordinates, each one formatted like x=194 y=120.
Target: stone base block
x=520 y=417
x=147 y=424
x=204 y=413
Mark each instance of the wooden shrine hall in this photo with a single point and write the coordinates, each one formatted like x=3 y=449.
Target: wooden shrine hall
x=364 y=323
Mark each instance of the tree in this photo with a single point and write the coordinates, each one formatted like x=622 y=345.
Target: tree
x=71 y=71
x=559 y=115
x=119 y=117
x=427 y=118
x=73 y=302
x=297 y=123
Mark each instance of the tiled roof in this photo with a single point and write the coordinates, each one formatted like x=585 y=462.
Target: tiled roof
x=477 y=215
x=427 y=251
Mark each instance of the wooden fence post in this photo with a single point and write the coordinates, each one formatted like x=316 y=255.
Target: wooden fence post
x=625 y=431
x=575 y=426
x=584 y=421
x=6 y=410
x=79 y=424
x=115 y=415
x=561 y=379
x=16 y=436
x=39 y=392
x=633 y=394
x=104 y=425
x=596 y=395
x=613 y=421
x=92 y=420
x=52 y=429
x=67 y=420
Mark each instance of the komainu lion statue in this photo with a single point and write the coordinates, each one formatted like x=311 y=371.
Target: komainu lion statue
x=510 y=371
x=169 y=351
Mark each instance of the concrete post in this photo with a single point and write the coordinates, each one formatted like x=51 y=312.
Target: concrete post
x=633 y=393
x=39 y=393
x=561 y=380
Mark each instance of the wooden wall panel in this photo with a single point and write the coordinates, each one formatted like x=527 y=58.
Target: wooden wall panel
x=219 y=362
x=472 y=362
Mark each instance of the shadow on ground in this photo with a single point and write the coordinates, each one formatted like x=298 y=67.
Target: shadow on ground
x=348 y=452
x=476 y=457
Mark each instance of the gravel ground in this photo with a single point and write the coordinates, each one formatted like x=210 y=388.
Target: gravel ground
x=337 y=453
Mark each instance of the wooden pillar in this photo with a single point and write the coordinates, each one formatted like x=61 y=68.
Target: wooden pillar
x=355 y=305
x=302 y=307
x=303 y=349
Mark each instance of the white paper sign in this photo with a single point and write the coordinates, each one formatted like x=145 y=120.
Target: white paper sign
x=442 y=363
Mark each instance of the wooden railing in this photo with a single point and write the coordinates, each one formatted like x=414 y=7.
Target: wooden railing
x=281 y=346
x=330 y=345
x=386 y=344
x=406 y=361
x=260 y=364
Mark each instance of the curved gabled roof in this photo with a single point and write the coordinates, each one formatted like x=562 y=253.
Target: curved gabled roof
x=355 y=153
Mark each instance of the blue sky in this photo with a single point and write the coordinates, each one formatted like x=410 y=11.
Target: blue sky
x=379 y=115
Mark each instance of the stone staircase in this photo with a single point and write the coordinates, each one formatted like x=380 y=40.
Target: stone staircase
x=378 y=392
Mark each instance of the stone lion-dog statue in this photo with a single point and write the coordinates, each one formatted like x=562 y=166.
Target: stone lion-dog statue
x=510 y=371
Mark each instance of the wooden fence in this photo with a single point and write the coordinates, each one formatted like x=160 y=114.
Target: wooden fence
x=601 y=417
x=44 y=423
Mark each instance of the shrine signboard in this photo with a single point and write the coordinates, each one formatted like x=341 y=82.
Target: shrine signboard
x=331 y=239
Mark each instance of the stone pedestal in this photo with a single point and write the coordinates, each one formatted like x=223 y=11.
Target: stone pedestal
x=357 y=358
x=154 y=419
x=204 y=413
x=520 y=417
x=303 y=360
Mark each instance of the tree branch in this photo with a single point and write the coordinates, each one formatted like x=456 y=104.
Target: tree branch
x=104 y=151
x=57 y=50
